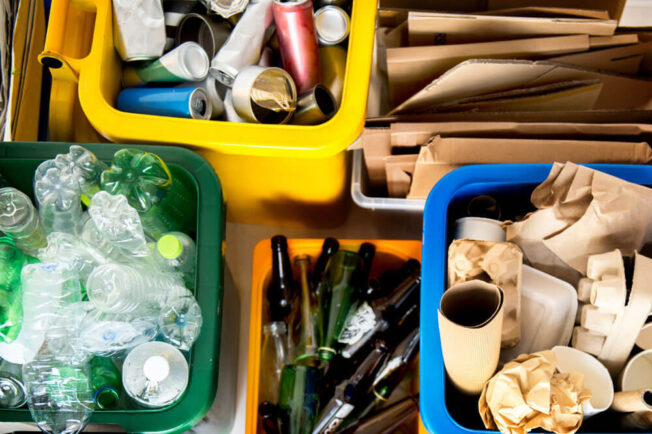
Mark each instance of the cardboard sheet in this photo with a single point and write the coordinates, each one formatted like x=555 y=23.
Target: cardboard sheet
x=478 y=77
x=409 y=69
x=612 y=41
x=625 y=60
x=441 y=155
x=428 y=28
x=614 y=7
x=549 y=12
x=376 y=146
x=399 y=170
x=528 y=393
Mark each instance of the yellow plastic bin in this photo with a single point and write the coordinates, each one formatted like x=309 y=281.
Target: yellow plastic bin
x=269 y=173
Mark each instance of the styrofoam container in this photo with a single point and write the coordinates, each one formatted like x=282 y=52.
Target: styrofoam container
x=638 y=372
x=479 y=228
x=548 y=308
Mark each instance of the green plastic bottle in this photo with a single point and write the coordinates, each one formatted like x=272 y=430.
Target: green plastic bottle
x=338 y=294
x=106 y=383
x=166 y=200
x=12 y=261
x=299 y=399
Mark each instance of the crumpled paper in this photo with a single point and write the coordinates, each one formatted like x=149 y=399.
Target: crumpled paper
x=528 y=393
x=582 y=212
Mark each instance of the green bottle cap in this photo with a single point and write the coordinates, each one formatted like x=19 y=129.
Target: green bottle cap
x=169 y=246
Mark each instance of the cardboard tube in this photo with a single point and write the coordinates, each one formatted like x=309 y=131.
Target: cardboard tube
x=609 y=294
x=587 y=341
x=470 y=325
x=644 y=340
x=584 y=289
x=633 y=400
x=596 y=320
x=610 y=263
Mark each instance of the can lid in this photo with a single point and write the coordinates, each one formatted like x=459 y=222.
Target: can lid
x=332 y=25
x=156 y=368
x=169 y=246
x=195 y=61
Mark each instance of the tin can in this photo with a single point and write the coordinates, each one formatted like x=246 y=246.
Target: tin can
x=295 y=28
x=210 y=34
x=187 y=62
x=265 y=95
x=210 y=86
x=333 y=69
x=332 y=25
x=226 y=8
x=174 y=11
x=191 y=102
x=138 y=29
x=315 y=107
x=338 y=3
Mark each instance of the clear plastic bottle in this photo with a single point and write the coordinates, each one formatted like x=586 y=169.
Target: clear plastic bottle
x=59 y=198
x=85 y=167
x=12 y=387
x=175 y=252
x=180 y=322
x=68 y=248
x=274 y=356
x=92 y=236
x=155 y=374
x=119 y=288
x=19 y=218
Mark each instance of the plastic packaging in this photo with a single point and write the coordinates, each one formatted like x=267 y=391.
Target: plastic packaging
x=118 y=288
x=155 y=374
x=91 y=235
x=175 y=252
x=180 y=322
x=19 y=218
x=12 y=261
x=72 y=250
x=58 y=196
x=85 y=167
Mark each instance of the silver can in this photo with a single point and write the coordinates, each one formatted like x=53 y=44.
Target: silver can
x=332 y=25
x=210 y=34
x=265 y=95
x=315 y=107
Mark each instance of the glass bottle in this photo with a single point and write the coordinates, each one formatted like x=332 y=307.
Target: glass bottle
x=328 y=249
x=165 y=200
x=280 y=292
x=366 y=252
x=398 y=418
x=106 y=383
x=274 y=356
x=299 y=399
x=390 y=279
x=268 y=418
x=337 y=296
x=309 y=333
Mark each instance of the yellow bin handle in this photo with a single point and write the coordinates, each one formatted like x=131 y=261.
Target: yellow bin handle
x=69 y=37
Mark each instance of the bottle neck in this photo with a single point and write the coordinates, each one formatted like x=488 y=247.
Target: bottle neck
x=106 y=398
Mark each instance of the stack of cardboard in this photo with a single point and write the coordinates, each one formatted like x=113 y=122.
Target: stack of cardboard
x=505 y=81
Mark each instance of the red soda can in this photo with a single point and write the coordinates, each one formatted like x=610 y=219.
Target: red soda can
x=295 y=28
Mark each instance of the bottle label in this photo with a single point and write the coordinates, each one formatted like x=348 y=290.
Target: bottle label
x=393 y=364
x=363 y=320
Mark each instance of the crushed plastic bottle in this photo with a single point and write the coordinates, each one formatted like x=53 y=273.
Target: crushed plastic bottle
x=180 y=322
x=165 y=202
x=70 y=249
x=85 y=167
x=118 y=288
x=155 y=374
x=19 y=218
x=175 y=252
x=59 y=198
x=92 y=236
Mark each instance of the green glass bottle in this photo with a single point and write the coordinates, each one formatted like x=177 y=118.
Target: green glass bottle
x=106 y=383
x=164 y=198
x=338 y=295
x=12 y=261
x=299 y=399
x=306 y=351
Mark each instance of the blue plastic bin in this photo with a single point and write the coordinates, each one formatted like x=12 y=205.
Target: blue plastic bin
x=443 y=409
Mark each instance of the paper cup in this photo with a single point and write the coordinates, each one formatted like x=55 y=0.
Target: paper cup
x=596 y=377
x=638 y=372
x=644 y=340
x=479 y=228
x=470 y=325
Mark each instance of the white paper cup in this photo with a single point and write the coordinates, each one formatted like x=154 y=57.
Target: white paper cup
x=596 y=377
x=644 y=340
x=638 y=372
x=479 y=229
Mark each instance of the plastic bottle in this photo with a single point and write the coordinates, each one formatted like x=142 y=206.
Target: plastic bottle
x=19 y=218
x=119 y=288
x=59 y=198
x=106 y=383
x=92 y=236
x=180 y=322
x=165 y=201
x=113 y=335
x=175 y=252
x=12 y=261
x=155 y=374
x=85 y=167
x=12 y=387
x=274 y=356
x=71 y=249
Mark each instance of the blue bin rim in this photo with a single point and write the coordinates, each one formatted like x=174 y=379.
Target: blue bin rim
x=434 y=413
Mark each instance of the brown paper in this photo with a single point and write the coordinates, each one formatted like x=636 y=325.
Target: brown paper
x=633 y=400
x=399 y=169
x=625 y=60
x=376 y=146
x=498 y=263
x=527 y=393
x=612 y=41
x=593 y=213
x=442 y=155
x=470 y=320
x=427 y=28
x=411 y=68
x=549 y=12
x=614 y=7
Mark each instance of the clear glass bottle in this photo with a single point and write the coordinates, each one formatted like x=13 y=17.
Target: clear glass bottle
x=274 y=356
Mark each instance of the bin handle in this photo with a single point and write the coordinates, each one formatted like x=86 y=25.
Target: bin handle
x=69 y=19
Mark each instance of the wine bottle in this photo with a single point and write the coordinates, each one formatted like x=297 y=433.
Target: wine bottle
x=328 y=249
x=281 y=290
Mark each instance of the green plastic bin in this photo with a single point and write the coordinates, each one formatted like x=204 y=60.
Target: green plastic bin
x=18 y=160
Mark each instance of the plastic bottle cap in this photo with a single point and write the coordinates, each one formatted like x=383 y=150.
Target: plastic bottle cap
x=156 y=368
x=169 y=246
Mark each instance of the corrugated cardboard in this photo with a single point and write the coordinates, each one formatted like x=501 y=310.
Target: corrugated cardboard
x=549 y=12
x=411 y=68
x=442 y=155
x=611 y=41
x=625 y=60
x=477 y=77
x=376 y=146
x=428 y=28
x=614 y=7
x=399 y=170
